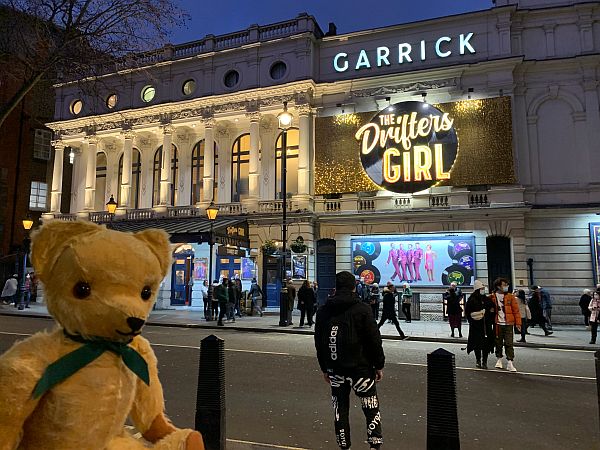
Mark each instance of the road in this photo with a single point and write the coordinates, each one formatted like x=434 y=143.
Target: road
x=276 y=396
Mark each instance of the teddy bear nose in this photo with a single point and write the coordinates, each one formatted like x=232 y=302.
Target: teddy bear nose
x=135 y=324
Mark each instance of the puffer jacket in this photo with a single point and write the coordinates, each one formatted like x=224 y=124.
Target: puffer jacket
x=511 y=310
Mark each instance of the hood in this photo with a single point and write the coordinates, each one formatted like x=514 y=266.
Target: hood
x=341 y=301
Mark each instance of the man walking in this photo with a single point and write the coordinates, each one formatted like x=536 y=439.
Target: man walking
x=507 y=316
x=351 y=356
x=546 y=304
x=221 y=293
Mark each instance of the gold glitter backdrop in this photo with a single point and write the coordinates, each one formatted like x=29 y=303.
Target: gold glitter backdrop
x=484 y=129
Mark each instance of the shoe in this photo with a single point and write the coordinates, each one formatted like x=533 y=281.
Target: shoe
x=510 y=367
x=548 y=333
x=484 y=366
x=233 y=320
x=261 y=314
x=499 y=364
x=592 y=342
x=522 y=340
x=459 y=335
x=402 y=337
x=478 y=364
x=452 y=335
x=220 y=324
x=27 y=307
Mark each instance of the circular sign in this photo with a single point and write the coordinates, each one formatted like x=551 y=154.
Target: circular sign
x=408 y=147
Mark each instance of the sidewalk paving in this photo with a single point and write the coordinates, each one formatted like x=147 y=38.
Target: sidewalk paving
x=569 y=337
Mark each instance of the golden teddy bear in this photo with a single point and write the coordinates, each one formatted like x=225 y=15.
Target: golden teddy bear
x=73 y=388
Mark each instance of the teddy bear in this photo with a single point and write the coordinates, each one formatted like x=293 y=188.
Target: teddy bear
x=73 y=388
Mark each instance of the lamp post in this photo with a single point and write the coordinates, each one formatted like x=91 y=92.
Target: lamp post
x=285 y=121
x=111 y=206
x=27 y=224
x=211 y=213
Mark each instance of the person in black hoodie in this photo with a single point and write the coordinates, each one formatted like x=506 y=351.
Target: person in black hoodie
x=350 y=354
x=480 y=314
x=584 y=303
x=306 y=303
x=389 y=308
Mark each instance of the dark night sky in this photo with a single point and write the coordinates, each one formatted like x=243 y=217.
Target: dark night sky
x=220 y=17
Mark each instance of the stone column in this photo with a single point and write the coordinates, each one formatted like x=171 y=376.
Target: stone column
x=304 y=155
x=125 y=188
x=254 y=163
x=90 y=173
x=57 y=176
x=165 y=167
x=208 y=182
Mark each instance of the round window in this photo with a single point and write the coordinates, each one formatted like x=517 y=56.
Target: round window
x=148 y=93
x=76 y=106
x=231 y=78
x=278 y=70
x=111 y=101
x=189 y=86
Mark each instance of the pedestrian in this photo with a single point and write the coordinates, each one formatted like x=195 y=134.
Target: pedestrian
x=584 y=303
x=453 y=309
x=222 y=294
x=214 y=312
x=537 y=313
x=506 y=317
x=291 y=296
x=34 y=285
x=237 y=286
x=525 y=313
x=256 y=296
x=27 y=291
x=306 y=303
x=546 y=304
x=389 y=308
x=375 y=297
x=479 y=310
x=205 y=299
x=594 y=308
x=350 y=355
x=407 y=301
x=9 y=292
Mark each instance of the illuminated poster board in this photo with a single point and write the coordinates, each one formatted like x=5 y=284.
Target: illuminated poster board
x=200 y=268
x=595 y=243
x=429 y=260
x=248 y=269
x=299 y=267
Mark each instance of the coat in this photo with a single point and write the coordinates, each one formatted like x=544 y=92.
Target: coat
x=537 y=315
x=222 y=294
x=584 y=304
x=594 y=307
x=10 y=287
x=453 y=303
x=511 y=310
x=481 y=332
x=389 y=302
x=306 y=298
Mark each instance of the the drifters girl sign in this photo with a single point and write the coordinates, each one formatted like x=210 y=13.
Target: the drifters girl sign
x=408 y=147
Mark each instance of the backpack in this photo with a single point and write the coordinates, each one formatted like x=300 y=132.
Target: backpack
x=341 y=342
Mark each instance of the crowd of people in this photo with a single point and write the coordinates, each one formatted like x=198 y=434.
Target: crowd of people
x=20 y=296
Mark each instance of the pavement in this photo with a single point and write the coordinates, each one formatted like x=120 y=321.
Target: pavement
x=569 y=337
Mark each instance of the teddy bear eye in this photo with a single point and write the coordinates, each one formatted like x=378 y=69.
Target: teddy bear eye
x=82 y=290
x=146 y=293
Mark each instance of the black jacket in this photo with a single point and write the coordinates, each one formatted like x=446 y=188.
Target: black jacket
x=306 y=297
x=584 y=303
x=481 y=332
x=452 y=302
x=371 y=356
x=389 y=302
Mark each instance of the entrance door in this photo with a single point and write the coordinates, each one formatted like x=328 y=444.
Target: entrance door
x=325 y=268
x=229 y=266
x=271 y=281
x=180 y=280
x=499 y=259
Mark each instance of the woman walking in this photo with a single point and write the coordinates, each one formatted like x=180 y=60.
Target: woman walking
x=594 y=308
x=389 y=308
x=480 y=314
x=537 y=314
x=215 y=301
x=306 y=303
x=453 y=310
x=374 y=300
x=207 y=306
x=584 y=303
x=525 y=313
x=256 y=295
x=407 y=301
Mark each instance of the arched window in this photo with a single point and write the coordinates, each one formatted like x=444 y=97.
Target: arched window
x=240 y=166
x=174 y=176
x=198 y=173
x=100 y=200
x=136 y=171
x=293 y=144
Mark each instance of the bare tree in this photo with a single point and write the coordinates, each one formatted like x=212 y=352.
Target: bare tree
x=61 y=40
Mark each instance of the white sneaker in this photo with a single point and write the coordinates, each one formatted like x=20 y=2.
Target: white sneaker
x=499 y=364
x=510 y=367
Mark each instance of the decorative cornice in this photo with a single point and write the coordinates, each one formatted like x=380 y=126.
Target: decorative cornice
x=253 y=116
x=401 y=88
x=92 y=139
x=128 y=134
x=58 y=145
x=209 y=122
x=304 y=110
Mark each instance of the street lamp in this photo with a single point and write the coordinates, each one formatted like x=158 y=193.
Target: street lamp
x=285 y=121
x=27 y=224
x=211 y=213
x=111 y=206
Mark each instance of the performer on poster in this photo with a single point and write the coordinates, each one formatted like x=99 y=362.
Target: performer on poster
x=403 y=257
x=418 y=256
x=410 y=259
x=393 y=257
x=429 y=258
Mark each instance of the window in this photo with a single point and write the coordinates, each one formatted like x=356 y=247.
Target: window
x=111 y=101
x=293 y=144
x=136 y=171
x=174 y=176
x=278 y=70
x=198 y=172
x=76 y=107
x=240 y=167
x=148 y=93
x=188 y=87
x=231 y=78
x=41 y=144
x=38 y=195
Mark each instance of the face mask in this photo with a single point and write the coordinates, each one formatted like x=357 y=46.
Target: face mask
x=482 y=290
x=505 y=289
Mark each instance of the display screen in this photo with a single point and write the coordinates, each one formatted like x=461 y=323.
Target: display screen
x=421 y=260
x=595 y=242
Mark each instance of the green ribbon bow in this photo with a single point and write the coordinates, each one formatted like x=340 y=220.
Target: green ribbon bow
x=67 y=365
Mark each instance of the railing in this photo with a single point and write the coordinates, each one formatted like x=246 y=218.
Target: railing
x=101 y=216
x=274 y=206
x=277 y=30
x=365 y=205
x=189 y=49
x=182 y=211
x=478 y=201
x=66 y=217
x=140 y=214
x=402 y=202
x=438 y=201
x=232 y=209
x=232 y=40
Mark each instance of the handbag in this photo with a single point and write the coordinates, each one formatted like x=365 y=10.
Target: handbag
x=478 y=315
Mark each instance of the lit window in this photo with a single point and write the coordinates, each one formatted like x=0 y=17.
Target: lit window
x=41 y=144
x=38 y=195
x=76 y=106
x=111 y=101
x=231 y=78
x=148 y=93
x=189 y=87
x=278 y=70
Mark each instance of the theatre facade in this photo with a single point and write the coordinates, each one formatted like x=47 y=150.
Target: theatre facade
x=452 y=149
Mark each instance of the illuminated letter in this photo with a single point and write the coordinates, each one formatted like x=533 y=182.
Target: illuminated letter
x=363 y=61
x=404 y=52
x=336 y=65
x=464 y=44
x=422 y=50
x=438 y=44
x=423 y=162
x=366 y=147
x=391 y=174
x=439 y=164
x=382 y=55
x=406 y=164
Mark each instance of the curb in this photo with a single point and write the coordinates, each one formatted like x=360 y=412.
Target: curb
x=310 y=332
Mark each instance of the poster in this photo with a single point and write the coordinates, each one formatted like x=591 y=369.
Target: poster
x=299 y=267
x=595 y=243
x=429 y=260
x=200 y=268
x=248 y=269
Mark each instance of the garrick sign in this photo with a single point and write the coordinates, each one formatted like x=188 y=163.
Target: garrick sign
x=408 y=147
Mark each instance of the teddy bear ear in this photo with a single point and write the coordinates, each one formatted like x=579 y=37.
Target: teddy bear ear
x=158 y=242
x=48 y=241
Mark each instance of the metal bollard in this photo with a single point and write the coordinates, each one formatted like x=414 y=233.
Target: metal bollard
x=210 y=396
x=442 y=415
x=597 y=354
